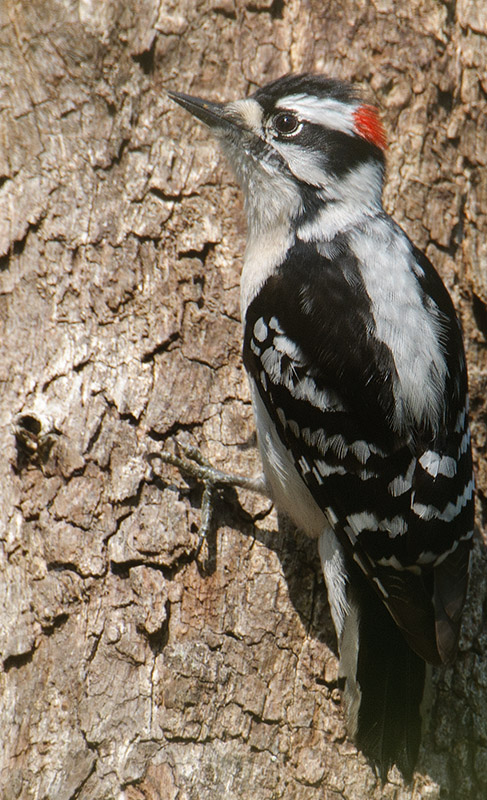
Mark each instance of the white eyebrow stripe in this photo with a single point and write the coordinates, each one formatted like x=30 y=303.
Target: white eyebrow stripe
x=321 y=111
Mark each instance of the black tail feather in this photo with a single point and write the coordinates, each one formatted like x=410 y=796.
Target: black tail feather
x=391 y=681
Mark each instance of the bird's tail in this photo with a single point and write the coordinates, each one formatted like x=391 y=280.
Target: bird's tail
x=384 y=683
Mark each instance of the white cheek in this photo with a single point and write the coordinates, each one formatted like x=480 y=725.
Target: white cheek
x=302 y=163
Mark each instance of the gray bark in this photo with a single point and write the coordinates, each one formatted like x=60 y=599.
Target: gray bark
x=128 y=663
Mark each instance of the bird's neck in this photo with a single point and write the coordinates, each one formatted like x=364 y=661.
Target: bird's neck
x=341 y=205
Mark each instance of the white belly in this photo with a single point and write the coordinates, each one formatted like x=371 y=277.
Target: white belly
x=288 y=490
x=291 y=496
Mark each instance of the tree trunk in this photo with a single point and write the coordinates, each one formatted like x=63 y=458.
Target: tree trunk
x=129 y=661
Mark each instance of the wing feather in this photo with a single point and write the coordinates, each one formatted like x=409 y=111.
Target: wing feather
x=401 y=502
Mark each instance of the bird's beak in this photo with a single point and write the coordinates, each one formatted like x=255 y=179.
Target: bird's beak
x=212 y=114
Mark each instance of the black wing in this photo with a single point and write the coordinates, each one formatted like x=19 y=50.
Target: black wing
x=401 y=503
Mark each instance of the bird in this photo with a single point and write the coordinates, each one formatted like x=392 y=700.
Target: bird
x=358 y=378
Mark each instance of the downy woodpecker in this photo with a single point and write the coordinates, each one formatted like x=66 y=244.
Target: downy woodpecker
x=359 y=388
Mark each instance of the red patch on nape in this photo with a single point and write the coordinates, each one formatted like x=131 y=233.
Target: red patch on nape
x=368 y=125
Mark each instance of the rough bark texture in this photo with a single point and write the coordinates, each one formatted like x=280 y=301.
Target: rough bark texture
x=129 y=664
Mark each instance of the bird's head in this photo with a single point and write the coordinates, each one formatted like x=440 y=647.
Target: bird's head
x=301 y=147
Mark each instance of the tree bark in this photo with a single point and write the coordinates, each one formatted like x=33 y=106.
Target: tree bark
x=129 y=662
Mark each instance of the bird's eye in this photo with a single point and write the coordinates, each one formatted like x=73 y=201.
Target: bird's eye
x=286 y=123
